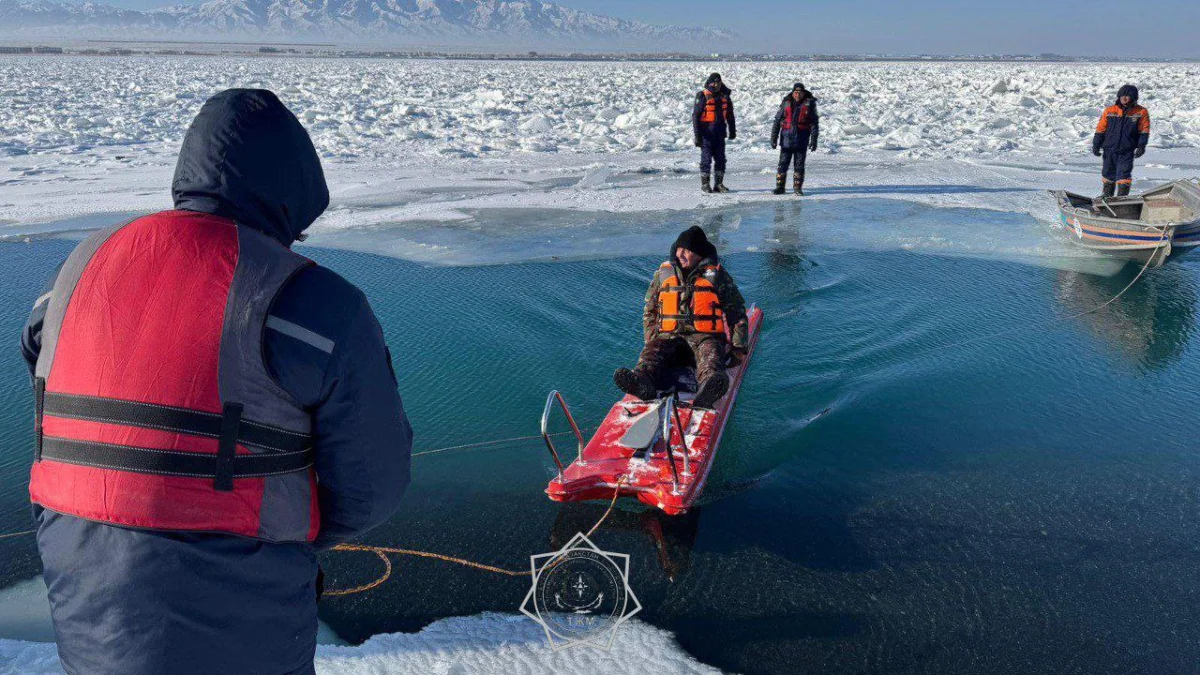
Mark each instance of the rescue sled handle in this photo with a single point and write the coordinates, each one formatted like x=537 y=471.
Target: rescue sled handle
x=562 y=403
x=668 y=414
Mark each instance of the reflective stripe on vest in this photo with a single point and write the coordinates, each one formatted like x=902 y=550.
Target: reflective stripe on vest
x=694 y=306
x=154 y=407
x=710 y=108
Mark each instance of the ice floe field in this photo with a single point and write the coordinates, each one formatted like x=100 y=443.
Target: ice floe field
x=426 y=140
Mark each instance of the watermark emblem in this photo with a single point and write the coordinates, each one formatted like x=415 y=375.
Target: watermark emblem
x=580 y=594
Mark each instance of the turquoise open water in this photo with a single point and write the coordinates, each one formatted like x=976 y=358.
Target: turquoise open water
x=887 y=498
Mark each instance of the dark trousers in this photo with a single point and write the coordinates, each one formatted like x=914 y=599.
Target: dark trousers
x=796 y=156
x=1118 y=166
x=665 y=352
x=712 y=151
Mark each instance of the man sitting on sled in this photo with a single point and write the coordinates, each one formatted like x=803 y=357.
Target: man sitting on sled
x=689 y=302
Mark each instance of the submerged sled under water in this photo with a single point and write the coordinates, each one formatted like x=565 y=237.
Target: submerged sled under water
x=660 y=452
x=1148 y=228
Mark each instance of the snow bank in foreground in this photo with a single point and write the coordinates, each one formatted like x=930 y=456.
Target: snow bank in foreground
x=488 y=643
x=477 y=645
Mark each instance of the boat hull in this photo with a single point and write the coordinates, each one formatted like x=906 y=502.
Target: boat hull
x=1097 y=225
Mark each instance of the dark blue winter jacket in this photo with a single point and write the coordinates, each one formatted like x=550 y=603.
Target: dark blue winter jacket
x=796 y=124
x=138 y=602
x=1123 y=128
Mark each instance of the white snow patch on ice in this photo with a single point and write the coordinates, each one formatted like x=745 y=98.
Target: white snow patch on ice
x=487 y=644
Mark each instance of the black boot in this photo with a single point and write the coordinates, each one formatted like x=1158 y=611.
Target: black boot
x=635 y=384
x=1123 y=189
x=720 y=186
x=780 y=181
x=711 y=390
x=1108 y=190
x=704 y=186
x=798 y=183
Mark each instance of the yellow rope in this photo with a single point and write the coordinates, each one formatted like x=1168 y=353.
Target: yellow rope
x=383 y=551
x=17 y=534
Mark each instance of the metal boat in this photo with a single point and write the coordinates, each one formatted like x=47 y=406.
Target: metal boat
x=1148 y=228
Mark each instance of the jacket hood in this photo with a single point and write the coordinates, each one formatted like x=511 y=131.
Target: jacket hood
x=1130 y=91
x=247 y=157
x=713 y=78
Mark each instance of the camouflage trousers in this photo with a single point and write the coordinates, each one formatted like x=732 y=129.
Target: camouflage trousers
x=665 y=352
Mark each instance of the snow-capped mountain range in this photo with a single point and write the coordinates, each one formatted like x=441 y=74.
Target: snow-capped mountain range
x=523 y=21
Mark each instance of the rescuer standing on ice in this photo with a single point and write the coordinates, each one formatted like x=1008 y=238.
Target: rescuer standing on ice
x=212 y=410
x=795 y=132
x=1122 y=135
x=712 y=122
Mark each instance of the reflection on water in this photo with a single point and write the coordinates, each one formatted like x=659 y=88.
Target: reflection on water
x=671 y=537
x=1149 y=325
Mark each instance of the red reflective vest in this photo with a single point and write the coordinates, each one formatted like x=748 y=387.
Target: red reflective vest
x=710 y=107
x=801 y=114
x=693 y=306
x=154 y=405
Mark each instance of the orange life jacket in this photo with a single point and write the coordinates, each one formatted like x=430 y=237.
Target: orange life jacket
x=710 y=108
x=703 y=314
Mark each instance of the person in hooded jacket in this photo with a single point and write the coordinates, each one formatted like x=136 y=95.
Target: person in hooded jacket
x=213 y=410
x=1122 y=135
x=712 y=121
x=690 y=301
x=795 y=132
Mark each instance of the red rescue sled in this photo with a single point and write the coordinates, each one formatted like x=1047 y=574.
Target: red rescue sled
x=630 y=449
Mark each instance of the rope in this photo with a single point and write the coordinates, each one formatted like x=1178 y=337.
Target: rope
x=482 y=444
x=384 y=551
x=16 y=534
x=1070 y=317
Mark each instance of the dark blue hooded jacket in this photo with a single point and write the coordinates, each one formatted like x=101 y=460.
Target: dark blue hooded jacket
x=138 y=602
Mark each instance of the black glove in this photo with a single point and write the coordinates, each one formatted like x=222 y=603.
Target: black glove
x=698 y=143
x=1096 y=151
x=774 y=144
x=812 y=145
x=1139 y=152
x=732 y=135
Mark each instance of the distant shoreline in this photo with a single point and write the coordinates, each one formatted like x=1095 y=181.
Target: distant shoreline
x=162 y=47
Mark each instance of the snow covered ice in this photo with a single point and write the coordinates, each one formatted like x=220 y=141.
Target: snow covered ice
x=478 y=645
x=427 y=140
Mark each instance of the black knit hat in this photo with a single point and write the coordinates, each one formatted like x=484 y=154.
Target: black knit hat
x=712 y=78
x=799 y=86
x=694 y=240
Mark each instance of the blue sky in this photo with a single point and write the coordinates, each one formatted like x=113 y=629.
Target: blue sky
x=1123 y=28
x=1162 y=28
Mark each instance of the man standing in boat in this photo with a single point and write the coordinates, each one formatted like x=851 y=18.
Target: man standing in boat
x=687 y=306
x=1122 y=134
x=712 y=121
x=795 y=131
